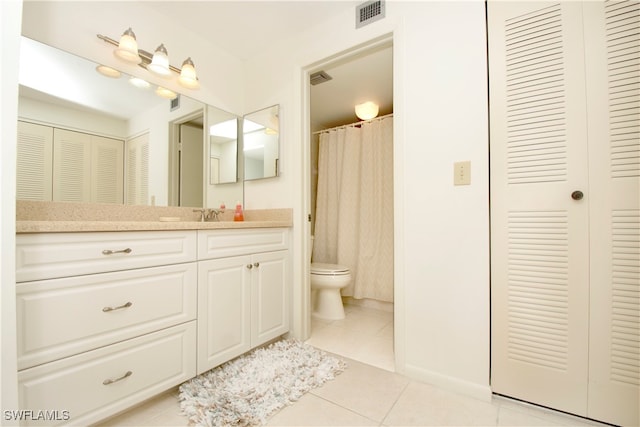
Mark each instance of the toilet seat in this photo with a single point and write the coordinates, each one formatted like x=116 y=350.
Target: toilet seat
x=322 y=269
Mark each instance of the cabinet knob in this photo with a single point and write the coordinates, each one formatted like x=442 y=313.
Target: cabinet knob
x=256 y=264
x=249 y=266
x=577 y=195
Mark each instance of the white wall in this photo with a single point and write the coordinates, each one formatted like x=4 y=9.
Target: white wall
x=10 y=17
x=72 y=119
x=442 y=234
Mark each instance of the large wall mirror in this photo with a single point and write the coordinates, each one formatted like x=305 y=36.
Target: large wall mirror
x=261 y=143
x=131 y=132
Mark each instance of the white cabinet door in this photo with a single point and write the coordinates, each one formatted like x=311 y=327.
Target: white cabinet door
x=242 y=303
x=224 y=314
x=34 y=162
x=269 y=297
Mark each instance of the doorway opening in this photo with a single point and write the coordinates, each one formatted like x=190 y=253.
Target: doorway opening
x=363 y=74
x=186 y=160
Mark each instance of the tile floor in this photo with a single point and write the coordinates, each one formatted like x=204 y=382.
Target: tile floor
x=368 y=393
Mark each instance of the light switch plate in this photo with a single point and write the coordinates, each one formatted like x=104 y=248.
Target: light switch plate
x=462 y=173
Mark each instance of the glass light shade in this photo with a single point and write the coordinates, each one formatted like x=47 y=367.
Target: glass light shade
x=367 y=110
x=127 y=49
x=188 y=77
x=160 y=62
x=108 y=71
x=165 y=93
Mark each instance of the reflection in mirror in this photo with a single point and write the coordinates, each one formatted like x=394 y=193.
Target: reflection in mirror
x=261 y=137
x=109 y=138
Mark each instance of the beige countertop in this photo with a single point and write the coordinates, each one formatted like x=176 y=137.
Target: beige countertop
x=79 y=226
x=58 y=217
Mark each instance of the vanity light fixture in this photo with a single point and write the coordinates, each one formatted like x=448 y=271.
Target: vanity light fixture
x=367 y=110
x=158 y=63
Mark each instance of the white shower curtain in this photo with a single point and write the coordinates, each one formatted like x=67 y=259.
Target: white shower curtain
x=354 y=208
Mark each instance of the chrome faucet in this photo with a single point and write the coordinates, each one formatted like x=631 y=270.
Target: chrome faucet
x=202 y=213
x=212 y=214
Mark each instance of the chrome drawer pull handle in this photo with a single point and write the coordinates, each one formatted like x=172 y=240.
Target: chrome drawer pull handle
x=122 y=251
x=107 y=309
x=110 y=381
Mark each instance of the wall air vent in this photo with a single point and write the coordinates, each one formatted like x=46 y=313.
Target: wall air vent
x=369 y=12
x=175 y=103
x=319 y=77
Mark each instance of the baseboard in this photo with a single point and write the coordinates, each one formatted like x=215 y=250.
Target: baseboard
x=368 y=303
x=477 y=391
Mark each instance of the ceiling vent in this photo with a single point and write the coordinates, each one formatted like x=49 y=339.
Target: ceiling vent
x=369 y=12
x=319 y=77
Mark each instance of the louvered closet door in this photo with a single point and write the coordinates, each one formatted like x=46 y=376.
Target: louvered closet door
x=566 y=294
x=613 y=80
x=540 y=235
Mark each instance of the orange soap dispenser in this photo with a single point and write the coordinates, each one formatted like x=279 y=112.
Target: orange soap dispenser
x=238 y=215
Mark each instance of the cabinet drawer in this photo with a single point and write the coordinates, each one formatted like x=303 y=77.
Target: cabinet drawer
x=51 y=255
x=62 y=317
x=81 y=384
x=224 y=243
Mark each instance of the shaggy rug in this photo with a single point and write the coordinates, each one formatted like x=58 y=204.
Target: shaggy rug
x=247 y=390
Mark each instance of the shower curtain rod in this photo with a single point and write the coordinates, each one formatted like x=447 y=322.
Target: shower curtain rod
x=353 y=124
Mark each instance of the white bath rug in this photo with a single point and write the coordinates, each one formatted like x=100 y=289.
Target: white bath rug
x=247 y=390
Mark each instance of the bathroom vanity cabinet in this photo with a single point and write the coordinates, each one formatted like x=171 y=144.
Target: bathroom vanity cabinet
x=105 y=320
x=109 y=319
x=242 y=292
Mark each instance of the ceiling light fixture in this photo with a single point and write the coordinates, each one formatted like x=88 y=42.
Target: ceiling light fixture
x=108 y=71
x=158 y=63
x=367 y=110
x=166 y=93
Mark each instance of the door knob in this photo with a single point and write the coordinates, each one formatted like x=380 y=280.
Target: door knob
x=577 y=195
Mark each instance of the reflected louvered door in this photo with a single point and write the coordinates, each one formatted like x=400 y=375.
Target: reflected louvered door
x=613 y=79
x=137 y=163
x=107 y=169
x=34 y=162
x=71 y=166
x=539 y=234
x=564 y=104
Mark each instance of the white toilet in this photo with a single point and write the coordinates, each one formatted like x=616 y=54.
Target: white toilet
x=326 y=282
